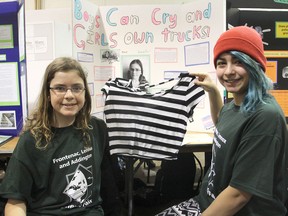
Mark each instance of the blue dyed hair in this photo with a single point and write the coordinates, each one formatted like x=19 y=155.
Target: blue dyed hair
x=259 y=84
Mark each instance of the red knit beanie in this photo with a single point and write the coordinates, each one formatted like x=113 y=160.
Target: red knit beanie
x=243 y=39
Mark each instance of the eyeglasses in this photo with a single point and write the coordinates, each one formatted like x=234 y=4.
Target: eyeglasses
x=62 y=90
x=134 y=69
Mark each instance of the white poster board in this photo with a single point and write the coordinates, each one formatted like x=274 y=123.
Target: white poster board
x=170 y=39
x=47 y=37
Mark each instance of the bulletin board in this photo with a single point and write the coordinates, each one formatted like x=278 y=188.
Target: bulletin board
x=272 y=25
x=170 y=39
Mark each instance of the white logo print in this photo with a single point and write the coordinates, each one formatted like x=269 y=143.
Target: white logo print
x=78 y=188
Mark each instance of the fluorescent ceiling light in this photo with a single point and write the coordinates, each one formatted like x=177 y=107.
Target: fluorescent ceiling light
x=263 y=9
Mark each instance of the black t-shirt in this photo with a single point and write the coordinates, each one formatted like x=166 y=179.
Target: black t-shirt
x=63 y=179
x=249 y=154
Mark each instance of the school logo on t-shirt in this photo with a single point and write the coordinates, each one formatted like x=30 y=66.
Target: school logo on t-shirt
x=79 y=187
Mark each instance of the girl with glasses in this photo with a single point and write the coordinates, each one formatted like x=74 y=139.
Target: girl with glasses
x=56 y=166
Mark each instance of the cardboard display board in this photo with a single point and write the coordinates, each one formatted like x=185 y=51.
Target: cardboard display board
x=168 y=39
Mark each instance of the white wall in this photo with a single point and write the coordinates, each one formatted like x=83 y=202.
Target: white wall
x=49 y=4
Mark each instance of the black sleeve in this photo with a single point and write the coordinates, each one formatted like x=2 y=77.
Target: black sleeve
x=109 y=191
x=2 y=206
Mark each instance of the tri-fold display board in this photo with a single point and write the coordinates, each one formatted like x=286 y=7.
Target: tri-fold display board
x=13 y=97
x=168 y=39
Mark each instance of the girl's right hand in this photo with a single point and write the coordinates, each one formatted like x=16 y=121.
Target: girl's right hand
x=204 y=80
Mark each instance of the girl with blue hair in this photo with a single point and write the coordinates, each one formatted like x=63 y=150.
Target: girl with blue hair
x=248 y=173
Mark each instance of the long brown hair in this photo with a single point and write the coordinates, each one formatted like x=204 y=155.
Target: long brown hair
x=39 y=122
